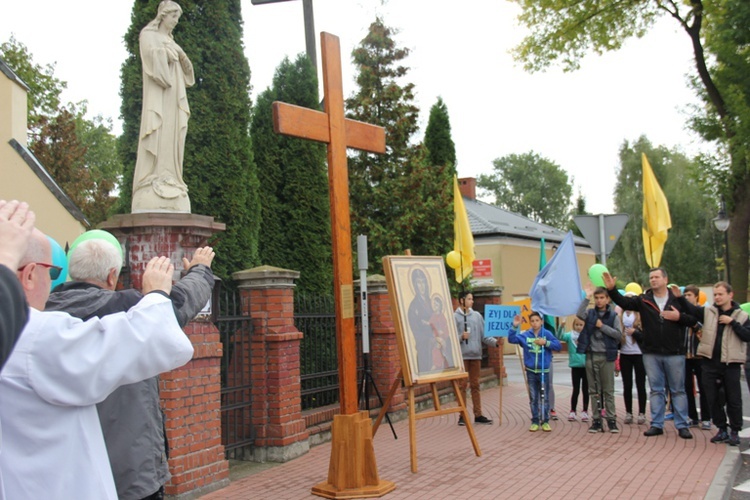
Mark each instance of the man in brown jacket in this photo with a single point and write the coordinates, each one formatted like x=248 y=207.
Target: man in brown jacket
x=723 y=345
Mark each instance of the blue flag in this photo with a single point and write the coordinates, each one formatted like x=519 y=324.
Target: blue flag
x=557 y=288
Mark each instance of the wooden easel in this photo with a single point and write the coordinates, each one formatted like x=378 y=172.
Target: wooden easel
x=437 y=412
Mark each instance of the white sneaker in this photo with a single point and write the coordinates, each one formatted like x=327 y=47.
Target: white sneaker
x=572 y=416
x=628 y=418
x=641 y=419
x=584 y=416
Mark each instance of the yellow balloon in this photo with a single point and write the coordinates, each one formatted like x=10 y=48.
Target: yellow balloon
x=453 y=259
x=633 y=288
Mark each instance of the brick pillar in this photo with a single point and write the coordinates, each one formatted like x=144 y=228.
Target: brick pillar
x=384 y=355
x=268 y=298
x=491 y=295
x=191 y=395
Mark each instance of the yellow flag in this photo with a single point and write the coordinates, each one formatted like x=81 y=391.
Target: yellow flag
x=656 y=219
x=463 y=241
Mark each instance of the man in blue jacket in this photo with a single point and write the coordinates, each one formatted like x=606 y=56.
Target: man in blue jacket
x=537 y=344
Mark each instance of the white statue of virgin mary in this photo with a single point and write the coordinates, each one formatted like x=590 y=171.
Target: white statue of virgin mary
x=167 y=72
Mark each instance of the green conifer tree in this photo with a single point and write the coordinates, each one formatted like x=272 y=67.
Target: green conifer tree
x=398 y=199
x=218 y=166
x=437 y=136
x=296 y=231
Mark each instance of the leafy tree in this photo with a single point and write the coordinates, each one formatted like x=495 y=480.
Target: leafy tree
x=44 y=88
x=532 y=186
x=685 y=261
x=398 y=199
x=437 y=136
x=218 y=167
x=80 y=154
x=565 y=30
x=296 y=230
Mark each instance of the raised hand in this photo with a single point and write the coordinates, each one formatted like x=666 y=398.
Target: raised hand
x=203 y=255
x=16 y=226
x=158 y=275
x=516 y=320
x=609 y=280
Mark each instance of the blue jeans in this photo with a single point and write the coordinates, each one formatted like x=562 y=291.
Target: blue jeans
x=535 y=389
x=669 y=369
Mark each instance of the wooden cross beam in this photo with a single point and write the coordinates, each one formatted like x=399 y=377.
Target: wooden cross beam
x=333 y=128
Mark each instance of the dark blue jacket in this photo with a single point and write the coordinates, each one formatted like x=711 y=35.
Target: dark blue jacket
x=608 y=318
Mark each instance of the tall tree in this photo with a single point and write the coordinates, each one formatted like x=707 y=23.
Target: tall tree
x=398 y=199
x=218 y=166
x=565 y=30
x=532 y=186
x=296 y=231
x=79 y=153
x=685 y=261
x=579 y=208
x=43 y=97
x=437 y=136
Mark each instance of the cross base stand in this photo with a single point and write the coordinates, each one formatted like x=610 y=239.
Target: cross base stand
x=352 y=472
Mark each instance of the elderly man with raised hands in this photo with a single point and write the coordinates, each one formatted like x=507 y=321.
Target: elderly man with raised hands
x=52 y=444
x=662 y=342
x=131 y=417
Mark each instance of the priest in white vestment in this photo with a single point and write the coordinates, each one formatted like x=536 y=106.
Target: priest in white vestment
x=52 y=444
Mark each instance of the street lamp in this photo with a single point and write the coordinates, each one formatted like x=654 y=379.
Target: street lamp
x=721 y=222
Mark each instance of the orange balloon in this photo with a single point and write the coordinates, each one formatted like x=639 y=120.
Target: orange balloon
x=702 y=297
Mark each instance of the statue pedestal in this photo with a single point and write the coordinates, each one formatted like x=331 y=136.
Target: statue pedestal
x=153 y=234
x=352 y=471
x=193 y=423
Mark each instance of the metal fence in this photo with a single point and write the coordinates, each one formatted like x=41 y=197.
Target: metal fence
x=315 y=317
x=236 y=331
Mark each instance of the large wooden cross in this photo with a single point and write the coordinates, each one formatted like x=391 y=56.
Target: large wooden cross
x=333 y=128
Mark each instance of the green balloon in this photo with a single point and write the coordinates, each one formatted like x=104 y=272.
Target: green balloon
x=745 y=307
x=595 y=274
x=96 y=234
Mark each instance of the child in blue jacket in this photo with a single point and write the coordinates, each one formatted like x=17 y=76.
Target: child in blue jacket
x=537 y=345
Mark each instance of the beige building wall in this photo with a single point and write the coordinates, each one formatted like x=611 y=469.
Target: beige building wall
x=515 y=263
x=17 y=179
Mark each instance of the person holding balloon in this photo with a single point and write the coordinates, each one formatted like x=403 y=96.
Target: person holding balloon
x=663 y=346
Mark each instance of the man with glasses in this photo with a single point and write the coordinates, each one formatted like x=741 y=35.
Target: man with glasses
x=52 y=444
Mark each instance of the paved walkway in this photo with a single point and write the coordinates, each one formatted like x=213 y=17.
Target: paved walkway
x=516 y=464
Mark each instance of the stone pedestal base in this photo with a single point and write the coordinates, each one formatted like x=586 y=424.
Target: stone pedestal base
x=149 y=235
x=352 y=472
